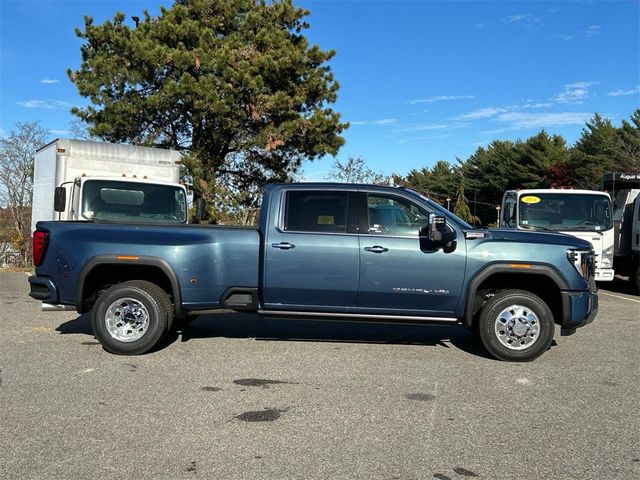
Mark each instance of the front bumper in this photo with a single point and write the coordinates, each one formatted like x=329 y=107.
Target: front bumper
x=604 y=274
x=578 y=309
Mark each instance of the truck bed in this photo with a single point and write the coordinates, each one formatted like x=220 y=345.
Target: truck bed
x=206 y=259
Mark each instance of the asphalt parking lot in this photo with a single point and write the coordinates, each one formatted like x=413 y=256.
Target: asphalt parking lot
x=236 y=396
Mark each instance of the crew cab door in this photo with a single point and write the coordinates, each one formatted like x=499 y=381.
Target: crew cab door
x=400 y=274
x=310 y=258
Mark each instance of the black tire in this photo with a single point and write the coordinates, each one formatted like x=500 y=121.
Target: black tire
x=137 y=296
x=530 y=338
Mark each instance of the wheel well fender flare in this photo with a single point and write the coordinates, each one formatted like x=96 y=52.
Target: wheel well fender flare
x=100 y=260
x=498 y=268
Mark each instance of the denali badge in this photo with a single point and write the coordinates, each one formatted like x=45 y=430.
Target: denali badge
x=426 y=291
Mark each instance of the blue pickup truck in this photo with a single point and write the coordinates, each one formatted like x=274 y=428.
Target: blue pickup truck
x=322 y=251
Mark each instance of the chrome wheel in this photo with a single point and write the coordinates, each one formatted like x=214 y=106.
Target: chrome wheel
x=517 y=327
x=127 y=319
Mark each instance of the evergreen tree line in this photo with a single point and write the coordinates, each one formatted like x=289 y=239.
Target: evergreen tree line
x=541 y=161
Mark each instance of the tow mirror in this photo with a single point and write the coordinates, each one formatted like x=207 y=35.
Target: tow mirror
x=59 y=199
x=506 y=216
x=200 y=210
x=437 y=232
x=437 y=228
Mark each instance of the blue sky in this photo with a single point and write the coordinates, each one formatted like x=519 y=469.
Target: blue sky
x=421 y=81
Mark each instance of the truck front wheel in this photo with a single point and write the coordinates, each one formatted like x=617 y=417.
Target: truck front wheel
x=516 y=325
x=130 y=318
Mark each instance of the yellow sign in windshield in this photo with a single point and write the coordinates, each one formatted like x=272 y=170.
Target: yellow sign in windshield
x=530 y=199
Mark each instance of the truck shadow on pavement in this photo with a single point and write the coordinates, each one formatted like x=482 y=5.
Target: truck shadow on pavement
x=247 y=325
x=618 y=285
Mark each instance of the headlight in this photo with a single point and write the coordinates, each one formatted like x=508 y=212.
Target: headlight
x=606 y=260
x=583 y=260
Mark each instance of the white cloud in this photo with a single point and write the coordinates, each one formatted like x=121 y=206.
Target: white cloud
x=430 y=138
x=48 y=80
x=480 y=25
x=592 y=30
x=524 y=19
x=2 y=133
x=565 y=37
x=382 y=121
x=482 y=113
x=60 y=132
x=574 y=92
x=538 y=105
x=519 y=120
x=620 y=93
x=45 y=104
x=423 y=128
x=441 y=98
x=496 y=131
x=492 y=112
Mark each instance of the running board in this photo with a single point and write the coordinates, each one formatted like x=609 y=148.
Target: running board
x=359 y=316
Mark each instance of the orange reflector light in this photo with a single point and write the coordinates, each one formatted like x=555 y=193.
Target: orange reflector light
x=127 y=257
x=520 y=265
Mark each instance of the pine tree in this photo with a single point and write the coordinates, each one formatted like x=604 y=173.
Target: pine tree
x=627 y=146
x=462 y=208
x=593 y=153
x=233 y=83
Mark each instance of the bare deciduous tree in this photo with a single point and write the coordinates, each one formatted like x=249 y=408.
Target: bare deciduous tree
x=354 y=170
x=17 y=152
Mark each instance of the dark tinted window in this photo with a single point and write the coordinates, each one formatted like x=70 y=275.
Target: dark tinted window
x=312 y=211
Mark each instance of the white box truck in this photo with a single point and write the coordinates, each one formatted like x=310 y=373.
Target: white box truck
x=86 y=180
x=586 y=214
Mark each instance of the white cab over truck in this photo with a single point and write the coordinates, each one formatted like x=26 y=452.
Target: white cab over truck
x=625 y=190
x=86 y=180
x=586 y=214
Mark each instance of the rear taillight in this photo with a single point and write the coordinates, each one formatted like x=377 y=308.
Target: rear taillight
x=40 y=240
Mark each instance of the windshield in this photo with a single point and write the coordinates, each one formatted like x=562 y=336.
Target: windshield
x=565 y=211
x=133 y=202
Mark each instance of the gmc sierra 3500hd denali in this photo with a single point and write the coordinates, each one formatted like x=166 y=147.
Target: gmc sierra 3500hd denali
x=321 y=251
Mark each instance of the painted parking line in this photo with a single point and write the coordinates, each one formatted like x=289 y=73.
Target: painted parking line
x=618 y=296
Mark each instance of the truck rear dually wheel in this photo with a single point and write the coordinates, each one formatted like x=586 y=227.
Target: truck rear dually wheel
x=130 y=318
x=516 y=325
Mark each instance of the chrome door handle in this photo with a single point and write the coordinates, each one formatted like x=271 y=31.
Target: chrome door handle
x=283 y=245
x=376 y=249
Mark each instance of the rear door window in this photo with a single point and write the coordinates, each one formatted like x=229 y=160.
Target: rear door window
x=316 y=211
